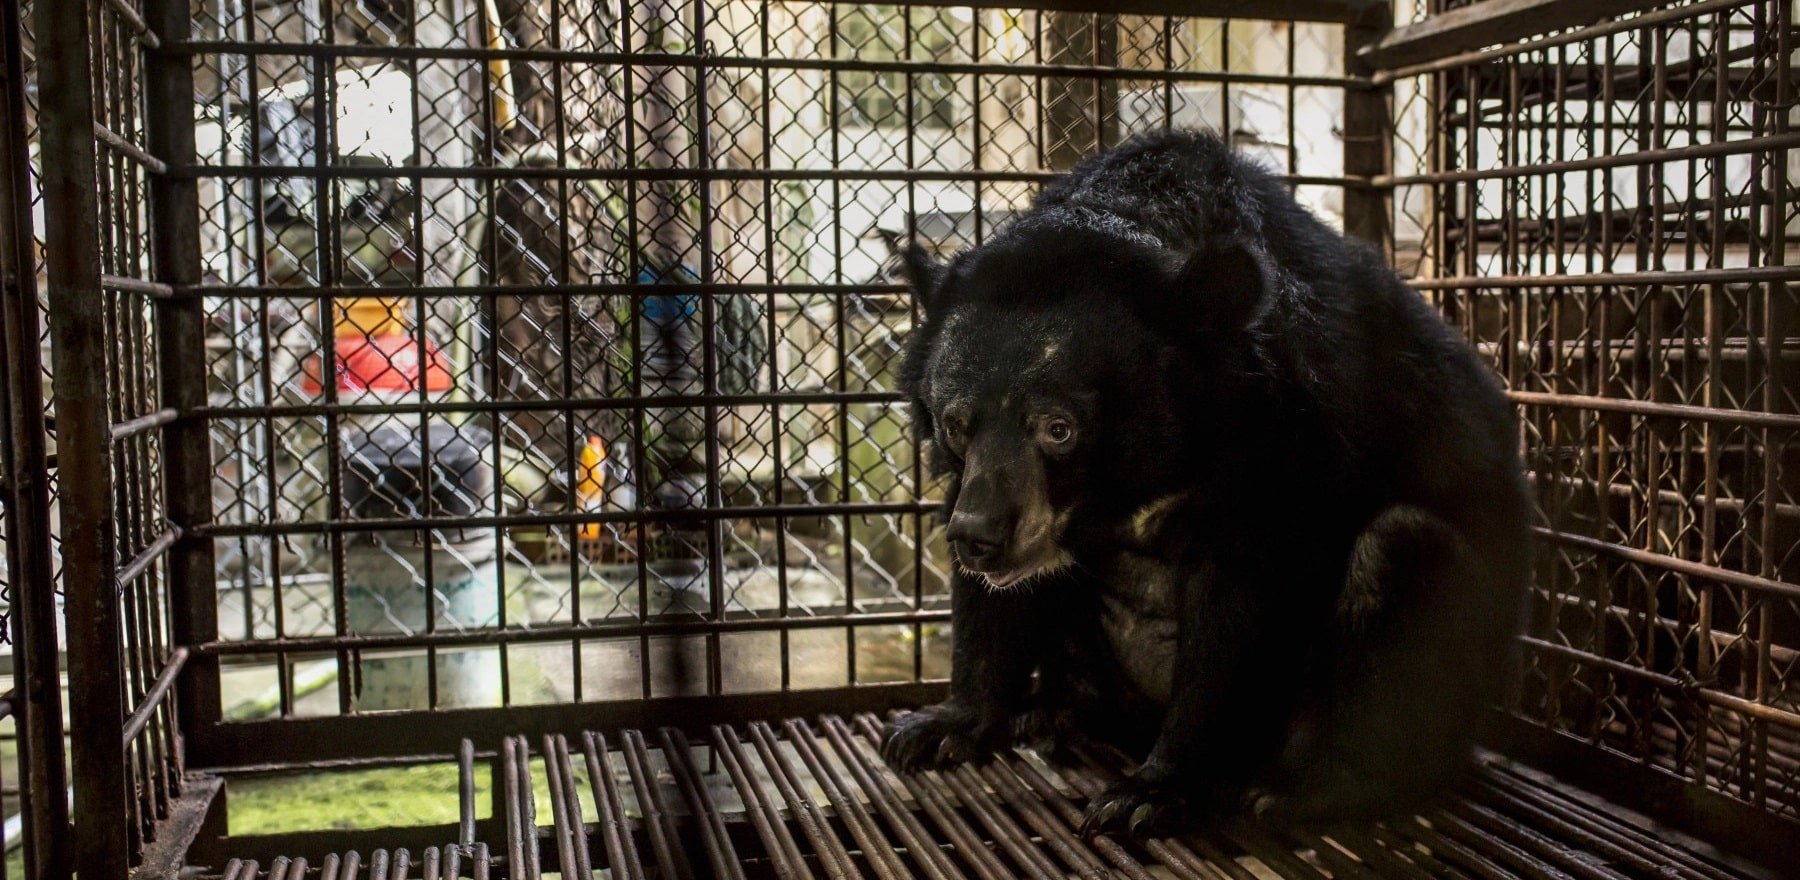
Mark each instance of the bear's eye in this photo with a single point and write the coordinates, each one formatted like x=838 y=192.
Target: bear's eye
x=954 y=429
x=1056 y=431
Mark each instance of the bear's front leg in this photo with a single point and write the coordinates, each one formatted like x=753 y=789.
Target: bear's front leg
x=995 y=636
x=1221 y=724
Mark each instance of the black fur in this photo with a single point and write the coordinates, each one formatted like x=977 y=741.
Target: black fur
x=1288 y=520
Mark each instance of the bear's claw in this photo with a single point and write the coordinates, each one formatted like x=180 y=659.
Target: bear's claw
x=1140 y=808
x=937 y=736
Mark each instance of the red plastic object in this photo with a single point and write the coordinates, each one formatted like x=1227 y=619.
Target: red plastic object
x=388 y=363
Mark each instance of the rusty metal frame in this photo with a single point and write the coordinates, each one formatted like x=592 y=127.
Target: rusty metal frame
x=100 y=192
x=218 y=744
x=1647 y=334
x=35 y=702
x=1672 y=652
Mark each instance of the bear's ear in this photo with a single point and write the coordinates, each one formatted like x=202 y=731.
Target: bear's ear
x=1225 y=284
x=922 y=273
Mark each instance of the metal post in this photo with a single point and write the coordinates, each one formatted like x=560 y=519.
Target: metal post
x=78 y=347
x=1368 y=134
x=181 y=327
x=37 y=704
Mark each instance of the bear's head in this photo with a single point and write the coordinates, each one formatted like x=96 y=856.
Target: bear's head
x=1068 y=376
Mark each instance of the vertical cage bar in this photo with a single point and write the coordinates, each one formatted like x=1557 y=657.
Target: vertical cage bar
x=78 y=338
x=181 y=328
x=37 y=702
x=1368 y=135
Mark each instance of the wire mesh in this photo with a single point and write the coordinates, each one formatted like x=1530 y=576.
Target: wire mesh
x=638 y=254
x=1606 y=213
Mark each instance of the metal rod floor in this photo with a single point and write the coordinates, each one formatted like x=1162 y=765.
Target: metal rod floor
x=810 y=799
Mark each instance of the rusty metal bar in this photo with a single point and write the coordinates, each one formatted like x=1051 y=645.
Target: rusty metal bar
x=1740 y=146
x=720 y=854
x=1487 y=23
x=729 y=62
x=1650 y=18
x=465 y=790
x=339 y=526
x=1670 y=563
x=1095 y=774
x=1452 y=852
x=764 y=816
x=562 y=632
x=1568 y=813
x=942 y=812
x=1743 y=275
x=1006 y=772
x=1502 y=853
x=793 y=398
x=1386 y=862
x=153 y=698
x=142 y=424
x=565 y=764
x=665 y=834
x=125 y=284
x=1517 y=835
x=868 y=778
x=1734 y=703
x=615 y=830
x=78 y=332
x=339 y=289
x=967 y=788
x=141 y=562
x=1048 y=829
x=1174 y=857
x=863 y=829
x=41 y=773
x=813 y=824
x=677 y=174
x=135 y=22
x=1572 y=829
x=564 y=826
x=138 y=154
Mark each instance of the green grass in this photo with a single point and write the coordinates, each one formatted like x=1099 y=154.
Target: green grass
x=348 y=799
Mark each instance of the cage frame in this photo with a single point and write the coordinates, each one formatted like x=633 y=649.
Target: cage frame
x=175 y=722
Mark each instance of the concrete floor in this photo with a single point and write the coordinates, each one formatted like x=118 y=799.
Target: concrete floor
x=597 y=668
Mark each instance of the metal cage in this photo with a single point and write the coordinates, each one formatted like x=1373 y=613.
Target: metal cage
x=399 y=382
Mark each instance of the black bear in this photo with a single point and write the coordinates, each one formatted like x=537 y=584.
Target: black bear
x=1223 y=490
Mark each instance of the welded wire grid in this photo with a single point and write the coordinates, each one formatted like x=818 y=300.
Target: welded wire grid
x=811 y=798
x=647 y=244
x=1607 y=213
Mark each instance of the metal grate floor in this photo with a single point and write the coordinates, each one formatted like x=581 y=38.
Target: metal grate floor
x=800 y=799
